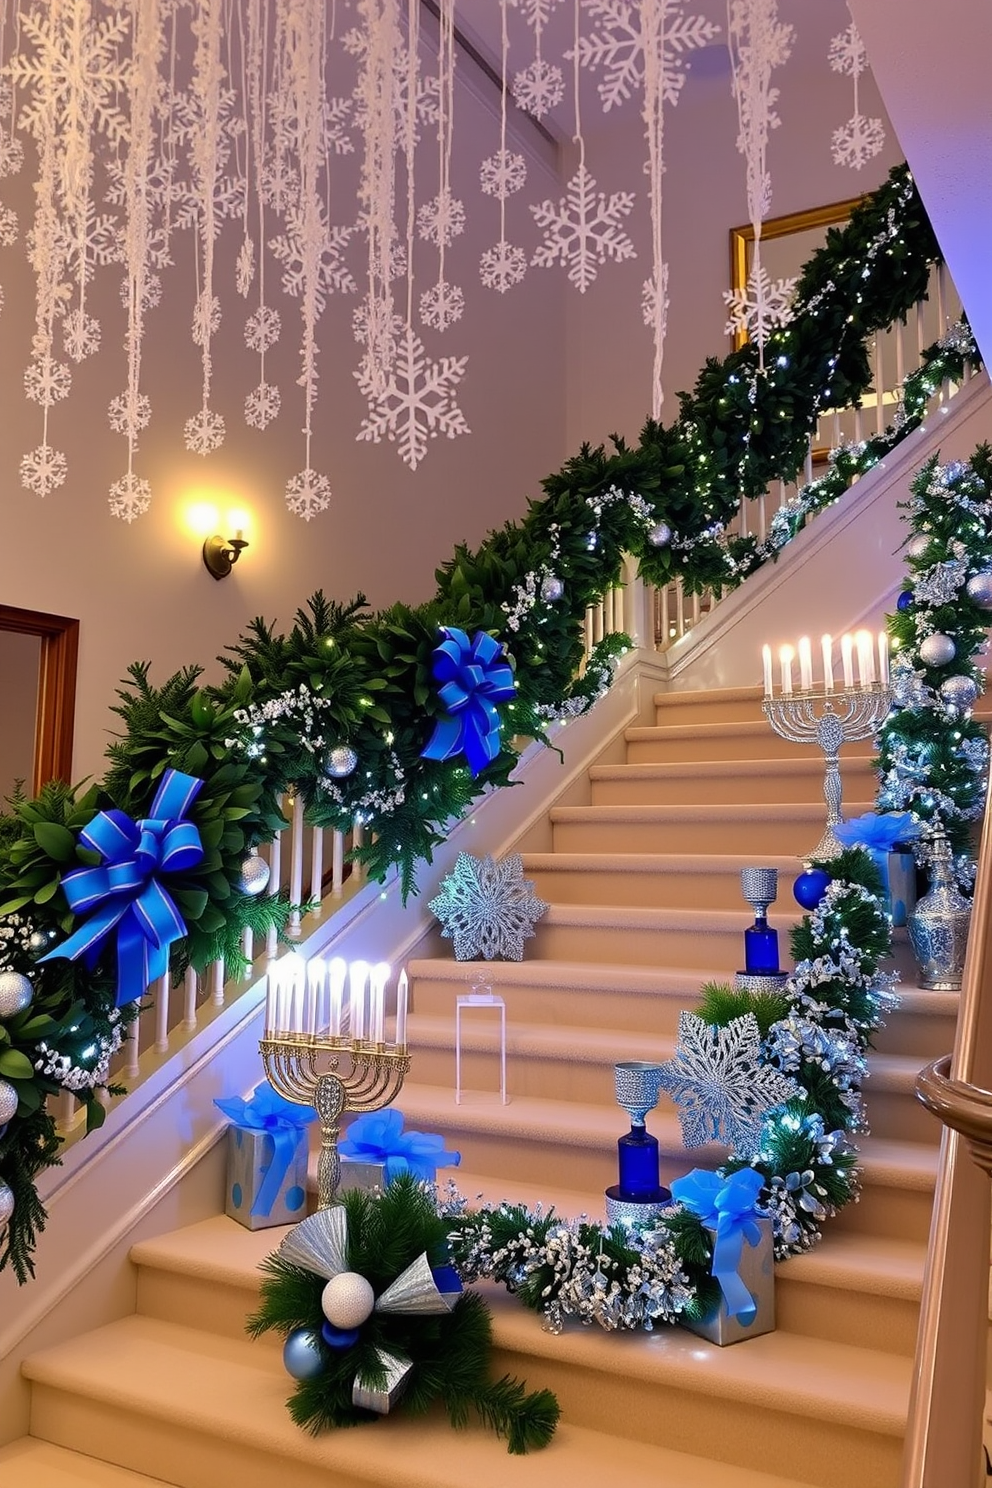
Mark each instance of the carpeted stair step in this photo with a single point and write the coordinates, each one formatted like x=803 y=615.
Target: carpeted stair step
x=793 y=828
x=662 y=880
x=718 y=705
x=924 y=1024
x=748 y=739
x=653 y=937
x=30 y=1463
x=734 y=782
x=896 y=1201
x=210 y=1410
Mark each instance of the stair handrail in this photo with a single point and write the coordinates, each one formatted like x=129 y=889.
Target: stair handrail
x=943 y=1446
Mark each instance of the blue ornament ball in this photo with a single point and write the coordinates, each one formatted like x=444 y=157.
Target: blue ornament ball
x=810 y=887
x=302 y=1354
x=905 y=600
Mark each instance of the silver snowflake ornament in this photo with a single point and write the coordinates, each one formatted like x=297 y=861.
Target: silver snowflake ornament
x=722 y=1088
x=488 y=909
x=583 y=229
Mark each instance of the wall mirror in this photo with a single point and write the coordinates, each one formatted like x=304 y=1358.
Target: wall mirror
x=38 y=682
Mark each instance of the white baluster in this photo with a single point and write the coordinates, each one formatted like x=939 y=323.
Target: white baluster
x=357 y=838
x=942 y=317
x=666 y=617
x=317 y=867
x=162 y=1013
x=248 y=951
x=899 y=331
x=679 y=610
x=66 y=1111
x=337 y=864
x=879 y=387
x=597 y=623
x=189 y=1002
x=858 y=436
x=132 y=1049
x=295 y=867
x=589 y=632
x=608 y=626
x=808 y=465
x=275 y=880
x=217 y=982
x=695 y=609
x=920 y=327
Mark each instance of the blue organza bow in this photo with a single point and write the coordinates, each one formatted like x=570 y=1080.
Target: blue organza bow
x=124 y=892
x=727 y=1206
x=471 y=678
x=878 y=831
x=379 y=1137
x=282 y=1120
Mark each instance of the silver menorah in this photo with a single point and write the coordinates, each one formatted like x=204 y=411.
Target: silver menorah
x=829 y=719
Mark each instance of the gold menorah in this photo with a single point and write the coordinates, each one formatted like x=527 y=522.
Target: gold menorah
x=305 y=1066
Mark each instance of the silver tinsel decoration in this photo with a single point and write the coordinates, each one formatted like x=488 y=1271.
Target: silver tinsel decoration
x=16 y=993
x=660 y=535
x=487 y=908
x=552 y=589
x=940 y=584
x=8 y=1101
x=979 y=590
x=6 y=1204
x=937 y=649
x=341 y=762
x=253 y=875
x=959 y=692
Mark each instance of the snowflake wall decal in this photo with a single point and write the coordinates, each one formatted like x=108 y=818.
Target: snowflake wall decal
x=760 y=306
x=442 y=305
x=502 y=174
x=502 y=266
x=487 y=908
x=262 y=405
x=415 y=401
x=720 y=1085
x=857 y=141
x=583 y=229
x=539 y=88
x=617 y=47
x=308 y=493
x=43 y=470
x=130 y=497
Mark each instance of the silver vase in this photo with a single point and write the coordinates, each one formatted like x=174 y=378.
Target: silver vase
x=938 y=926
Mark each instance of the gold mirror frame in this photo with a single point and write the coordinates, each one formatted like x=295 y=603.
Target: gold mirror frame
x=742 y=241
x=56 y=712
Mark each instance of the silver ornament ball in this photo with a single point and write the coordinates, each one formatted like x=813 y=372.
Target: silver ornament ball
x=16 y=993
x=341 y=761
x=38 y=940
x=6 y=1204
x=301 y=1354
x=8 y=1102
x=347 y=1300
x=253 y=877
x=959 y=692
x=979 y=590
x=917 y=545
x=552 y=589
x=937 y=650
x=660 y=535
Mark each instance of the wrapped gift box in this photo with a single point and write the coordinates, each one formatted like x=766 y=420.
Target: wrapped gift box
x=250 y=1154
x=756 y=1270
x=898 y=870
x=357 y=1172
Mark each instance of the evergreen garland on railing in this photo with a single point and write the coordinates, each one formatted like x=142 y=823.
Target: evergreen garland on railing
x=363 y=685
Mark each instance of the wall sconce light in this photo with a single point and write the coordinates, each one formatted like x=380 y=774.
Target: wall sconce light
x=220 y=554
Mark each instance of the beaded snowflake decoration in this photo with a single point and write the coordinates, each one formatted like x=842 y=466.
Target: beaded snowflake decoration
x=487 y=908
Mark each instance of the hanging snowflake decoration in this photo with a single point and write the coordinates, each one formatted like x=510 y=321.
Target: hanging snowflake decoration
x=442 y=305
x=721 y=1086
x=47 y=381
x=129 y=414
x=150 y=296
x=206 y=318
x=293 y=251
x=130 y=497
x=244 y=272
x=502 y=174
x=307 y=494
x=415 y=401
x=760 y=306
x=857 y=141
x=583 y=229
x=262 y=406
x=617 y=48
x=654 y=308
x=262 y=328
x=43 y=470
x=487 y=908
x=441 y=220
x=80 y=335
x=847 y=53
x=503 y=266
x=11 y=154
x=9 y=227
x=204 y=432
x=539 y=88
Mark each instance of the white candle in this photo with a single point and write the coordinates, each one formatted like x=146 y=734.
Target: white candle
x=883 y=658
x=866 y=658
x=785 y=656
x=766 y=662
x=313 y=1011
x=281 y=998
x=380 y=976
x=337 y=976
x=402 y=993
x=805 y=664
x=827 y=646
x=847 y=660
x=358 y=973
x=298 y=973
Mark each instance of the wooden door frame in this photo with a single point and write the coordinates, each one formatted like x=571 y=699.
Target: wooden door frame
x=56 y=714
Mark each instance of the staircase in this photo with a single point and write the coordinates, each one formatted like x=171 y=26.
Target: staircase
x=643 y=884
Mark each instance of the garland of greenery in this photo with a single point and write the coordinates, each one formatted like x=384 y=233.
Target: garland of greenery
x=363 y=682
x=387 y=1231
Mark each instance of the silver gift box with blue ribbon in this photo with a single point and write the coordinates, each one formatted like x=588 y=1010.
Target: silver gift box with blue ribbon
x=267 y=1151
x=756 y=1269
x=743 y=1251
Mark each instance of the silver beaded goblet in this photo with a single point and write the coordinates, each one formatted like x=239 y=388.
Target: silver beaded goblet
x=637 y=1082
x=759 y=887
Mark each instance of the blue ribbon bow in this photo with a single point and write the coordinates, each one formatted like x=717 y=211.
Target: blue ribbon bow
x=379 y=1137
x=282 y=1120
x=124 y=892
x=878 y=831
x=727 y=1206
x=471 y=679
